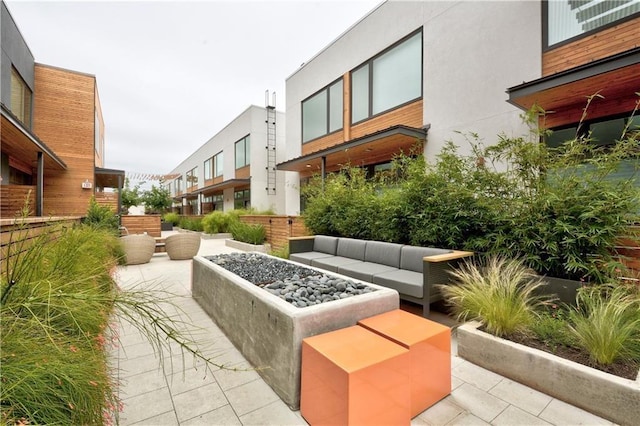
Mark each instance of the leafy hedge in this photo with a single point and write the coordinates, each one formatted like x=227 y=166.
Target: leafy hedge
x=560 y=209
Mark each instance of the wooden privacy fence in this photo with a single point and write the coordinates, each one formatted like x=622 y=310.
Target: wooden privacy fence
x=279 y=228
x=12 y=200
x=17 y=234
x=139 y=224
x=109 y=199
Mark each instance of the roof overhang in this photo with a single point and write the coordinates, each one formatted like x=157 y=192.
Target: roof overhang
x=564 y=95
x=109 y=178
x=369 y=149
x=21 y=143
x=211 y=189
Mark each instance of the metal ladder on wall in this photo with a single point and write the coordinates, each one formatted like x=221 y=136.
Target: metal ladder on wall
x=271 y=144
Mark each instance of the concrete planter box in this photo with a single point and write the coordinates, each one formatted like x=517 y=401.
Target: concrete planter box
x=218 y=236
x=269 y=331
x=600 y=393
x=262 y=248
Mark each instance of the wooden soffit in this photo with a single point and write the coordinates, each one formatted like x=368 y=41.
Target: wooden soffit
x=370 y=149
x=215 y=188
x=109 y=178
x=21 y=143
x=564 y=95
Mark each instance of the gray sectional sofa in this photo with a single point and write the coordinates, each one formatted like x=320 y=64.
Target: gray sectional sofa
x=410 y=270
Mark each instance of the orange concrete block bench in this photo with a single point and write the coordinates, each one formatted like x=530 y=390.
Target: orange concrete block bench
x=354 y=376
x=429 y=345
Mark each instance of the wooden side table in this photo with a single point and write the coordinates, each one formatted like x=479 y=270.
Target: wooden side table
x=429 y=345
x=354 y=376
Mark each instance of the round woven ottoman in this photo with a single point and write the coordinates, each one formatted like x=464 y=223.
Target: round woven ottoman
x=182 y=246
x=138 y=248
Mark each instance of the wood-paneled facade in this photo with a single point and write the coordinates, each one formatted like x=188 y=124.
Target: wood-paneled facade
x=602 y=65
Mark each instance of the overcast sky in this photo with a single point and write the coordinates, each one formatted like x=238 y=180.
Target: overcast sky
x=171 y=74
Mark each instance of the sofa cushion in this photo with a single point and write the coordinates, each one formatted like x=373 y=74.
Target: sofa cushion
x=383 y=253
x=307 y=257
x=352 y=248
x=325 y=244
x=405 y=282
x=331 y=263
x=364 y=270
x=411 y=256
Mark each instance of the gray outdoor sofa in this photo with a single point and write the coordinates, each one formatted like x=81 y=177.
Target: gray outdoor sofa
x=412 y=271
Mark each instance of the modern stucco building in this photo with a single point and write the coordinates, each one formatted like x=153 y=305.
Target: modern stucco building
x=236 y=168
x=421 y=71
x=52 y=134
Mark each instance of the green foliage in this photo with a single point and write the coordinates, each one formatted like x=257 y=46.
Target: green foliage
x=500 y=293
x=174 y=218
x=561 y=210
x=57 y=304
x=156 y=200
x=101 y=217
x=606 y=322
x=246 y=233
x=130 y=196
x=282 y=252
x=191 y=223
x=217 y=222
x=551 y=327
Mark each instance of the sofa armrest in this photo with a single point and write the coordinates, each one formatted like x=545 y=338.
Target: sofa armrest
x=436 y=271
x=301 y=244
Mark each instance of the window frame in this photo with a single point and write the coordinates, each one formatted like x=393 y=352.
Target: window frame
x=25 y=112
x=218 y=171
x=246 y=140
x=193 y=174
x=208 y=174
x=545 y=28
x=325 y=90
x=370 y=62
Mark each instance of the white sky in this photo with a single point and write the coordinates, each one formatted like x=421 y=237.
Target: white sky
x=171 y=74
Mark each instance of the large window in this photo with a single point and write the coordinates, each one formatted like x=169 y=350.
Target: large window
x=192 y=177
x=213 y=166
x=179 y=185
x=243 y=149
x=20 y=99
x=242 y=199
x=387 y=81
x=566 y=19
x=322 y=113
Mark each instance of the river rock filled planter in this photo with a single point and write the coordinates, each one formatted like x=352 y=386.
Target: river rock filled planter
x=269 y=330
x=600 y=393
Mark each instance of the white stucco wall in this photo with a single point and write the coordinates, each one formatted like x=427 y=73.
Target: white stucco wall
x=473 y=51
x=249 y=122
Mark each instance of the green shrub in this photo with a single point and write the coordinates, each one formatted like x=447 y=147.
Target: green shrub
x=499 y=293
x=174 y=218
x=606 y=323
x=101 y=217
x=282 y=252
x=191 y=224
x=246 y=233
x=216 y=222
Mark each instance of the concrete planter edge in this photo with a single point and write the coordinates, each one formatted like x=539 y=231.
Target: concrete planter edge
x=600 y=393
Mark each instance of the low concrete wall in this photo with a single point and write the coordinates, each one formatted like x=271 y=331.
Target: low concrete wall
x=262 y=248
x=600 y=393
x=269 y=331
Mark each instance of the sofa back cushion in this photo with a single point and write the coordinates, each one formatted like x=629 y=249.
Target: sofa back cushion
x=411 y=256
x=351 y=248
x=325 y=244
x=383 y=253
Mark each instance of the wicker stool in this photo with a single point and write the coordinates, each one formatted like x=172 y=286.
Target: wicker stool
x=138 y=248
x=182 y=246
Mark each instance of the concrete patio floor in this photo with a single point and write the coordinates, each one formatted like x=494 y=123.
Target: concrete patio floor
x=186 y=392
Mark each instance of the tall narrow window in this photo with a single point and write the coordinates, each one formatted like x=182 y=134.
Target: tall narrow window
x=243 y=152
x=217 y=165
x=322 y=112
x=20 y=99
x=208 y=169
x=192 y=177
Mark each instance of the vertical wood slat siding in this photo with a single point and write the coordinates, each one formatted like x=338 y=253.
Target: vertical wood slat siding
x=64 y=116
x=279 y=228
x=139 y=224
x=408 y=115
x=12 y=200
x=17 y=235
x=602 y=44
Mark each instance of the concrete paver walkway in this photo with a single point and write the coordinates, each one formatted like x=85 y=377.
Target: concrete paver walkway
x=186 y=392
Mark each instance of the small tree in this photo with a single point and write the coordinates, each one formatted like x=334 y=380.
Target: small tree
x=130 y=196
x=156 y=200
